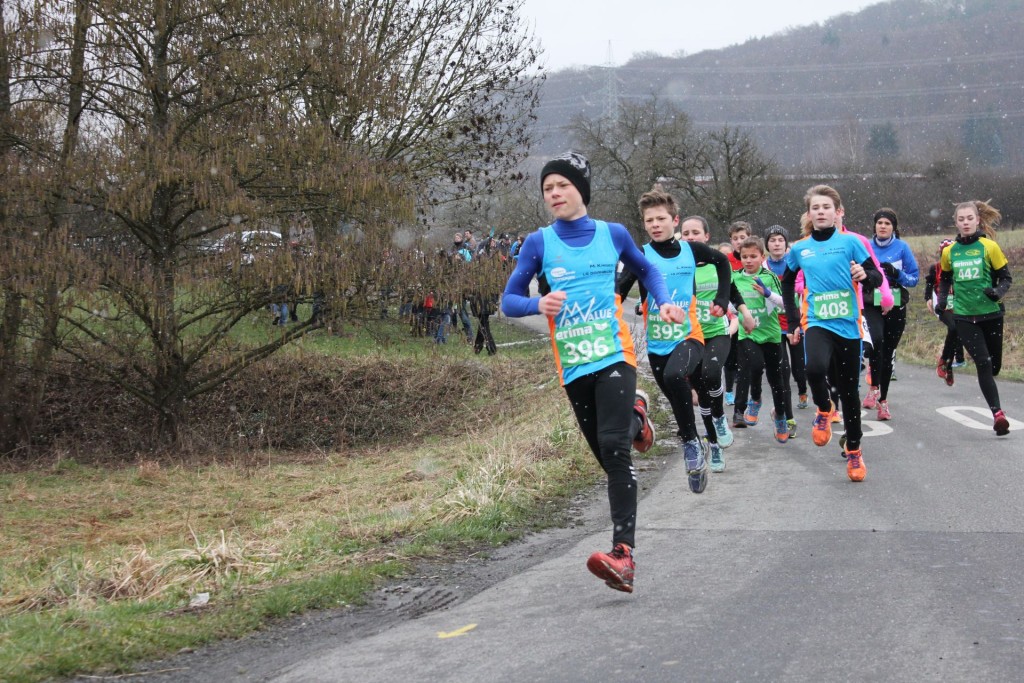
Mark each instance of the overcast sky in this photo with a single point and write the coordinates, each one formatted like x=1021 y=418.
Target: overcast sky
x=576 y=32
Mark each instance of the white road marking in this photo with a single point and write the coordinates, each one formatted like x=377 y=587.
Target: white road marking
x=956 y=414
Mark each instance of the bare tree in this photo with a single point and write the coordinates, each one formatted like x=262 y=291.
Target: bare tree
x=735 y=178
x=191 y=120
x=648 y=142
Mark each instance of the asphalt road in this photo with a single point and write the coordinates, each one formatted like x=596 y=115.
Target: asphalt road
x=783 y=570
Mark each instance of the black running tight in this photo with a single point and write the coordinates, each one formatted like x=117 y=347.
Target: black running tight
x=603 y=404
x=984 y=342
x=886 y=332
x=825 y=348
x=672 y=373
x=755 y=358
x=709 y=385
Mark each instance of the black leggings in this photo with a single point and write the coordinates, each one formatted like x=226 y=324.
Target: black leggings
x=603 y=404
x=757 y=358
x=672 y=373
x=952 y=347
x=984 y=341
x=886 y=331
x=710 y=389
x=793 y=363
x=825 y=349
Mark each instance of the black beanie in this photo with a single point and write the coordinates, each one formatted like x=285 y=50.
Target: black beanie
x=575 y=168
x=891 y=215
x=777 y=230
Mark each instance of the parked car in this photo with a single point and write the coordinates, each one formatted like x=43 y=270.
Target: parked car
x=249 y=243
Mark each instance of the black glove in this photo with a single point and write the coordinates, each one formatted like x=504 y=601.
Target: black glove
x=892 y=274
x=991 y=293
x=940 y=305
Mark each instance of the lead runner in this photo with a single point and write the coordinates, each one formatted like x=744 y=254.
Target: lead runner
x=577 y=257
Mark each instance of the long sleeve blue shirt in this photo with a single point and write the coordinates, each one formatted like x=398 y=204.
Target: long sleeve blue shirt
x=516 y=301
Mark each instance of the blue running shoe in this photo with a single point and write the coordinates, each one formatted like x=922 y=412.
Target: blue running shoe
x=696 y=464
x=802 y=403
x=730 y=398
x=722 y=431
x=717 y=461
x=750 y=416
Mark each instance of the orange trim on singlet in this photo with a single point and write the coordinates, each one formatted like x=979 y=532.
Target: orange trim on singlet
x=625 y=338
x=696 y=331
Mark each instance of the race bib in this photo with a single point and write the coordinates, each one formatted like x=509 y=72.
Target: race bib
x=835 y=304
x=895 y=297
x=584 y=342
x=968 y=269
x=704 y=311
x=658 y=330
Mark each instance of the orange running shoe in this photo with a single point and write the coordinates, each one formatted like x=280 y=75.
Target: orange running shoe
x=834 y=416
x=821 y=428
x=855 y=468
x=616 y=568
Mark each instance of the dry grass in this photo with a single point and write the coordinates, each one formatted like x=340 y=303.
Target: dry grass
x=78 y=535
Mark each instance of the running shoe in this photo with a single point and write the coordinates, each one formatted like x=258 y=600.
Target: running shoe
x=717 y=461
x=835 y=416
x=892 y=377
x=791 y=425
x=750 y=416
x=871 y=398
x=645 y=437
x=940 y=367
x=722 y=432
x=959 y=363
x=730 y=398
x=781 y=428
x=802 y=403
x=949 y=373
x=855 y=468
x=737 y=421
x=821 y=428
x=696 y=464
x=883 y=411
x=1001 y=424
x=842 y=445
x=616 y=568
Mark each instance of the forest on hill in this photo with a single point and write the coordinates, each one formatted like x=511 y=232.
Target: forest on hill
x=917 y=82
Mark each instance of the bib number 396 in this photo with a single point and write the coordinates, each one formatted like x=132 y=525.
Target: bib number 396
x=584 y=343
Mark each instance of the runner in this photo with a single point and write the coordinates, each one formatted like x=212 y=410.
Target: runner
x=676 y=351
x=760 y=350
x=717 y=335
x=952 y=351
x=976 y=266
x=577 y=257
x=738 y=231
x=777 y=245
x=900 y=269
x=833 y=263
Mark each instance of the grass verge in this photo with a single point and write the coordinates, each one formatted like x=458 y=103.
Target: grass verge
x=102 y=566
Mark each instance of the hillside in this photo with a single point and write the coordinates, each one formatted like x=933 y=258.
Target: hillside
x=948 y=77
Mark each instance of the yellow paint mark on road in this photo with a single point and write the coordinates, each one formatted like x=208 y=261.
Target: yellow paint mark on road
x=457 y=632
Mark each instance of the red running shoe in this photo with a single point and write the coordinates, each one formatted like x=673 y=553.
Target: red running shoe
x=1001 y=424
x=940 y=367
x=615 y=568
x=645 y=439
x=883 y=411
